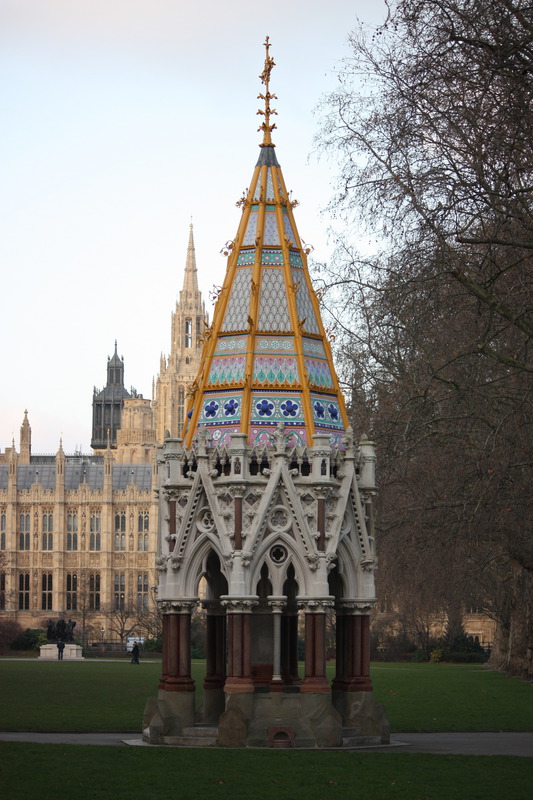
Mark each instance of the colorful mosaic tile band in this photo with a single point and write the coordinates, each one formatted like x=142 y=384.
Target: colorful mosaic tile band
x=269 y=369
x=271 y=408
x=319 y=373
x=227 y=370
x=326 y=412
x=275 y=344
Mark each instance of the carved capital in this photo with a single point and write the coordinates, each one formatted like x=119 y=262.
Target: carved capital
x=315 y=605
x=184 y=605
x=239 y=605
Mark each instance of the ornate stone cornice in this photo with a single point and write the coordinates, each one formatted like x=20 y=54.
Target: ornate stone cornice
x=239 y=605
x=184 y=605
x=315 y=605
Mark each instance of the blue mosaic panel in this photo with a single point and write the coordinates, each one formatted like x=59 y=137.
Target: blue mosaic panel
x=288 y=228
x=251 y=229
x=271 y=233
x=280 y=187
x=275 y=369
x=295 y=259
x=220 y=408
x=236 y=317
x=273 y=310
x=326 y=412
x=232 y=344
x=303 y=303
x=274 y=257
x=227 y=370
x=319 y=373
x=245 y=257
x=270 y=408
x=313 y=347
x=275 y=344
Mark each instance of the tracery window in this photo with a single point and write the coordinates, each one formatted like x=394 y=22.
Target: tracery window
x=142 y=591
x=24 y=531
x=94 y=591
x=46 y=591
x=24 y=591
x=120 y=591
x=72 y=591
x=48 y=527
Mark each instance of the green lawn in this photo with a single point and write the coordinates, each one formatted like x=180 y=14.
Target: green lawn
x=101 y=696
x=97 y=695
x=90 y=773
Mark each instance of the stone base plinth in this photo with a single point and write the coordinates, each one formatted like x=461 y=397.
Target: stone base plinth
x=166 y=715
x=72 y=652
x=364 y=721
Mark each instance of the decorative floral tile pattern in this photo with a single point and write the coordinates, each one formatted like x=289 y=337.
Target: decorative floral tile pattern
x=303 y=303
x=326 y=411
x=232 y=344
x=271 y=369
x=319 y=373
x=273 y=310
x=271 y=408
x=313 y=347
x=271 y=234
x=275 y=344
x=295 y=437
x=251 y=229
x=289 y=233
x=269 y=186
x=236 y=318
x=295 y=259
x=246 y=257
x=272 y=257
x=221 y=408
x=227 y=370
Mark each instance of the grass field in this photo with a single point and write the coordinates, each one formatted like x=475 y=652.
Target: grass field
x=110 y=695
x=103 y=696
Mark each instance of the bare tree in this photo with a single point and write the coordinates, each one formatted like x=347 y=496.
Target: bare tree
x=431 y=123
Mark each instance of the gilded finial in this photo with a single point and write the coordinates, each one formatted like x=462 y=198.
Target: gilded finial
x=266 y=127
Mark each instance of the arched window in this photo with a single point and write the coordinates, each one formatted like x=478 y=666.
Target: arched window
x=72 y=591
x=188 y=333
x=24 y=591
x=120 y=591
x=142 y=591
x=143 y=521
x=94 y=591
x=2 y=591
x=3 y=530
x=46 y=591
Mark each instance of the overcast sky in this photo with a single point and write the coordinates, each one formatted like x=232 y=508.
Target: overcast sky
x=120 y=120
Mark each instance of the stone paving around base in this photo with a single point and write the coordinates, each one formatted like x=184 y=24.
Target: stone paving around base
x=468 y=744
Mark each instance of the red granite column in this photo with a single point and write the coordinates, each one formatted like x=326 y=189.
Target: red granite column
x=315 y=649
x=215 y=674
x=176 y=675
x=355 y=675
x=289 y=648
x=239 y=677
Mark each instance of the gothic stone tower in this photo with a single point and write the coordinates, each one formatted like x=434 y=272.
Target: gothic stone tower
x=268 y=499
x=189 y=322
x=108 y=403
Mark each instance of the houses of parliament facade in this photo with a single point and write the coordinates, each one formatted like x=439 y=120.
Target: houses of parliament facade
x=78 y=533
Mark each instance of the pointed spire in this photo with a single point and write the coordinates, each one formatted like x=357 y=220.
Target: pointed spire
x=267 y=359
x=190 y=276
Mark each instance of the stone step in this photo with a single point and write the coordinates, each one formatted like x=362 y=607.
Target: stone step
x=200 y=731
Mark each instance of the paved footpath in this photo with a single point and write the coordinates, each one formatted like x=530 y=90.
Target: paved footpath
x=468 y=744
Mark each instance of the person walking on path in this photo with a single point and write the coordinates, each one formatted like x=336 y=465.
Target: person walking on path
x=135 y=654
x=60 y=648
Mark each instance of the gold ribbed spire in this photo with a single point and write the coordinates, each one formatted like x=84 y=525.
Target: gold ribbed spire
x=266 y=360
x=265 y=126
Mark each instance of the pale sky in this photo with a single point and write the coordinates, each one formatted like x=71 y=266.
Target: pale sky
x=120 y=120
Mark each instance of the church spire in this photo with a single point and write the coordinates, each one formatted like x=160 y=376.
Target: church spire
x=267 y=359
x=190 y=276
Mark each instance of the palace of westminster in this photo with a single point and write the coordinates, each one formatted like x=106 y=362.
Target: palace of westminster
x=78 y=533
